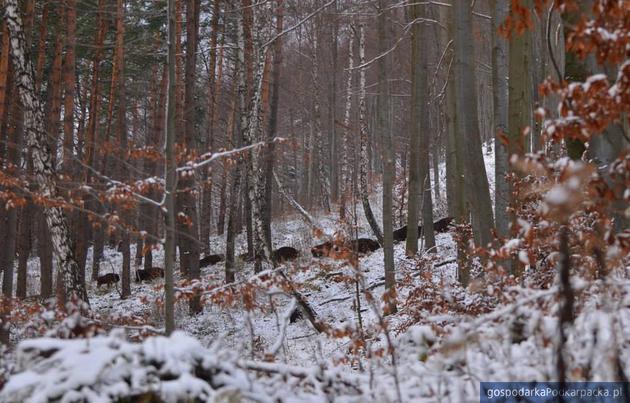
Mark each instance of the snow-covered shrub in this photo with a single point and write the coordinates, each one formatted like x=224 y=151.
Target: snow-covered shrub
x=108 y=368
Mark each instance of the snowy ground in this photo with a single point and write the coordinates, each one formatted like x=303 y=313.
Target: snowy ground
x=332 y=300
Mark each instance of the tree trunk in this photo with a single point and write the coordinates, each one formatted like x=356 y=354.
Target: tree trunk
x=43 y=168
x=121 y=129
x=151 y=212
x=170 y=173
x=500 y=101
x=8 y=254
x=69 y=84
x=419 y=180
x=13 y=137
x=455 y=164
x=251 y=129
x=363 y=158
x=4 y=77
x=273 y=124
x=347 y=132
x=226 y=170
x=322 y=176
x=214 y=87
x=383 y=129
x=519 y=105
x=235 y=172
x=476 y=180
x=332 y=107
x=91 y=142
x=188 y=238
x=24 y=245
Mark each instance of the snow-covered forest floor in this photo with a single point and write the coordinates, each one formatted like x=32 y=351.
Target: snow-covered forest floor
x=440 y=344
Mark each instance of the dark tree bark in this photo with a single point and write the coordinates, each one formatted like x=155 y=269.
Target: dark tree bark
x=419 y=181
x=24 y=245
x=383 y=129
x=273 y=124
x=214 y=86
x=188 y=238
x=170 y=173
x=475 y=177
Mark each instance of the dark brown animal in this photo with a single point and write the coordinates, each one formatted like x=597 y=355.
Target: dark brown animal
x=295 y=316
x=107 y=279
x=401 y=233
x=322 y=250
x=361 y=245
x=149 y=274
x=365 y=245
x=443 y=224
x=210 y=260
x=285 y=254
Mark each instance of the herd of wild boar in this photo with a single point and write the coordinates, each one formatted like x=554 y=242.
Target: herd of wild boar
x=362 y=246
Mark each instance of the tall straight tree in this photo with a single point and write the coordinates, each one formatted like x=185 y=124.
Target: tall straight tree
x=476 y=180
x=520 y=88
x=188 y=230
x=234 y=180
x=43 y=168
x=322 y=176
x=520 y=99
x=384 y=130
x=455 y=154
x=91 y=140
x=500 y=11
x=251 y=127
x=363 y=140
x=214 y=86
x=344 y=182
x=69 y=83
x=419 y=181
x=118 y=85
x=273 y=120
x=171 y=178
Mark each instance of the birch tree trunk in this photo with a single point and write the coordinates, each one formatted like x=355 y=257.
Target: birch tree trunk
x=347 y=132
x=251 y=129
x=43 y=168
x=363 y=138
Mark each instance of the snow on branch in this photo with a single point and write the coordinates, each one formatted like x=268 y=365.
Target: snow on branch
x=210 y=157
